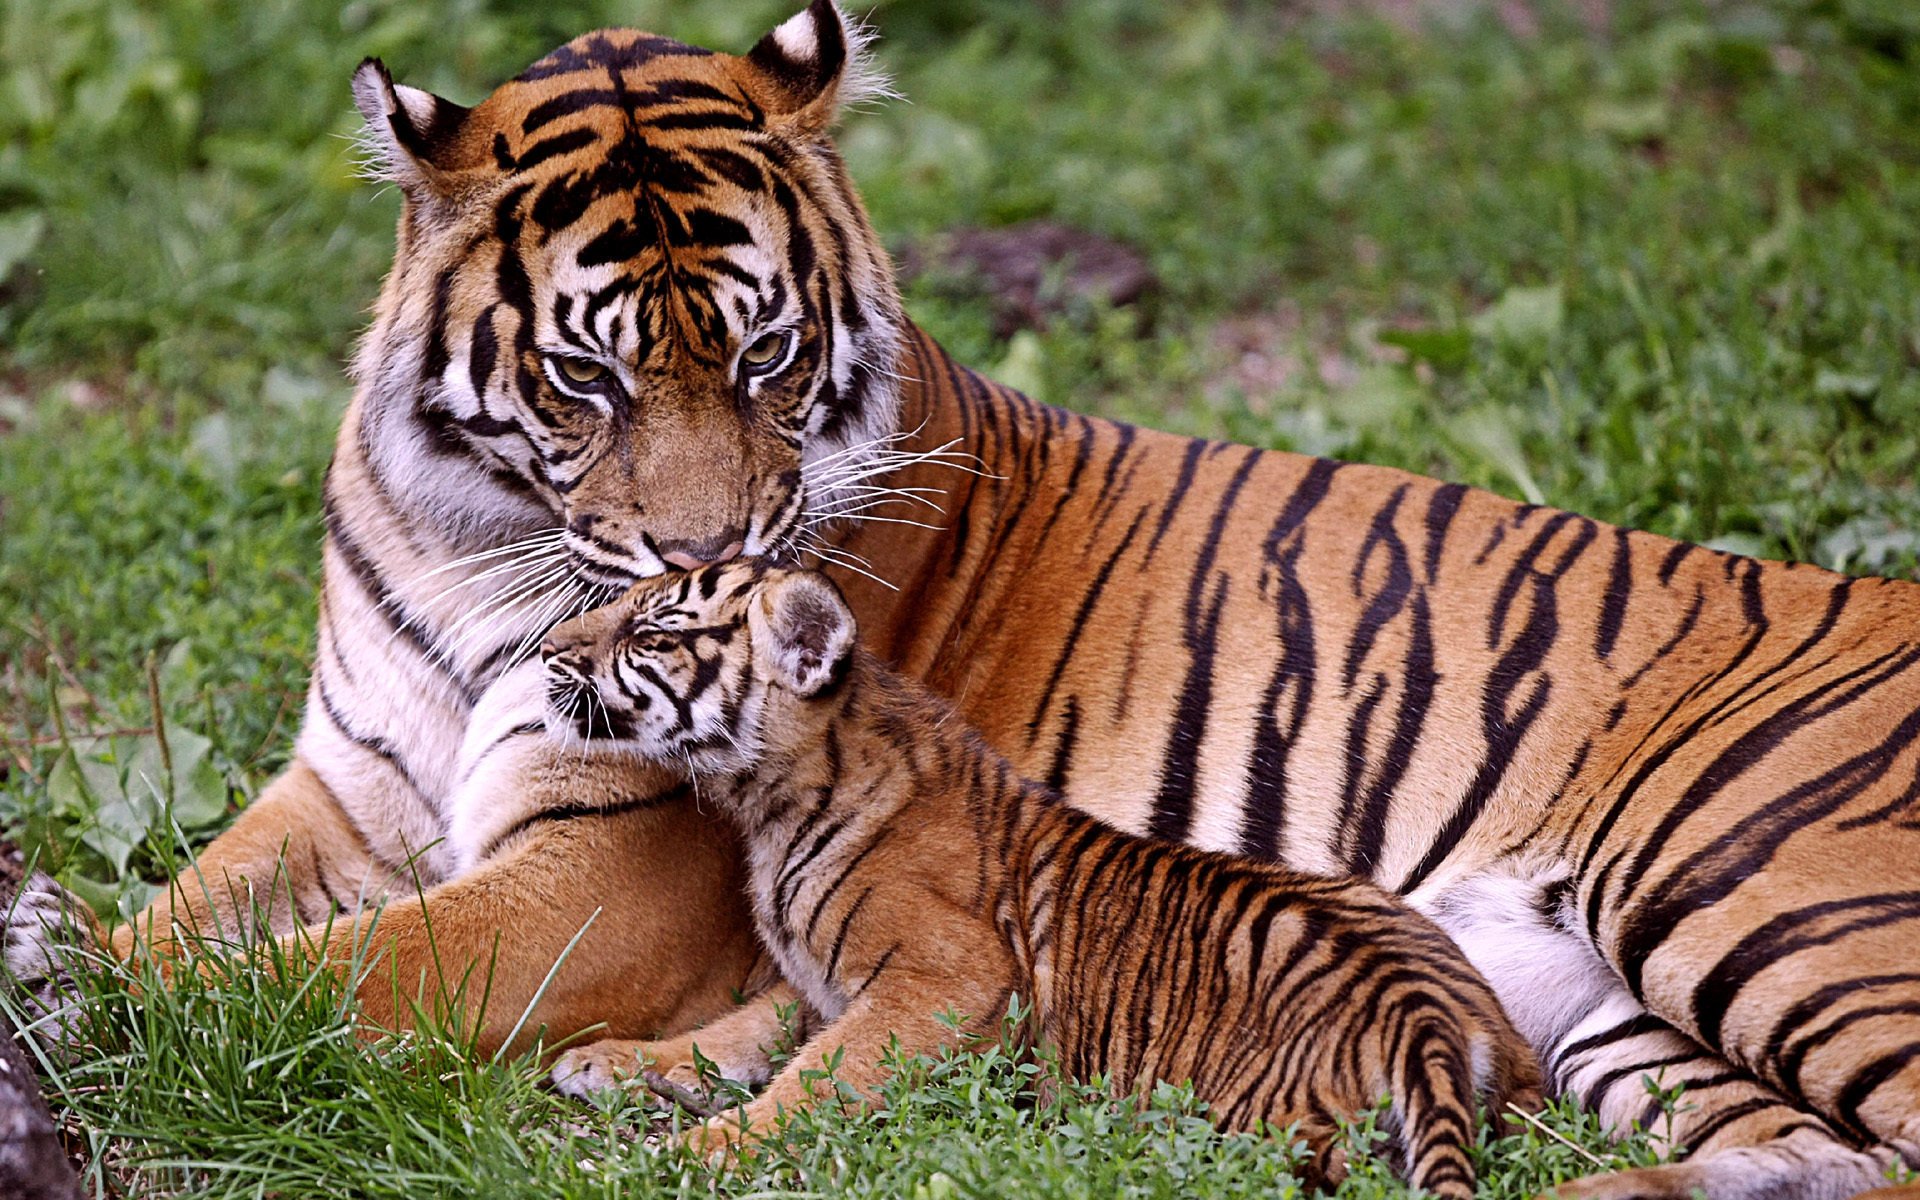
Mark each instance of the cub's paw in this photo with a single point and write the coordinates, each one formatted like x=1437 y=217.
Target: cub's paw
x=720 y=1139
x=49 y=935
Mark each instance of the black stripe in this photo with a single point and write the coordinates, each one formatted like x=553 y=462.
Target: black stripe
x=1293 y=675
x=576 y=812
x=1180 y=765
x=1080 y=618
x=1613 y=605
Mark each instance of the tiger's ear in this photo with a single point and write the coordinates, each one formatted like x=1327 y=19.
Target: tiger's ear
x=410 y=133
x=802 y=631
x=812 y=67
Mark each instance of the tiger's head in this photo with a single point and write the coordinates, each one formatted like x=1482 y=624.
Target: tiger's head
x=634 y=296
x=703 y=667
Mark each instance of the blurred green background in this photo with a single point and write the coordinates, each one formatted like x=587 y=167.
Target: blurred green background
x=1653 y=261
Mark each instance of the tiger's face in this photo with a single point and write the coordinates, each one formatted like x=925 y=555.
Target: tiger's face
x=690 y=668
x=635 y=284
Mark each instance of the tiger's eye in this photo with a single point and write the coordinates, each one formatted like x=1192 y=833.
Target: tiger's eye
x=581 y=370
x=764 y=350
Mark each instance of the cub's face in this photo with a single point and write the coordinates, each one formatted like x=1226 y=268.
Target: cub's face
x=698 y=668
x=636 y=286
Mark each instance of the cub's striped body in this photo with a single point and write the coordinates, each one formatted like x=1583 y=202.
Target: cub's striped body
x=1663 y=797
x=901 y=869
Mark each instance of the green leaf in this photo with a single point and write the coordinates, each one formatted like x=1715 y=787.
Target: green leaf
x=1444 y=349
x=102 y=897
x=20 y=234
x=1488 y=434
x=1024 y=367
x=67 y=791
x=199 y=789
x=1523 y=316
x=128 y=810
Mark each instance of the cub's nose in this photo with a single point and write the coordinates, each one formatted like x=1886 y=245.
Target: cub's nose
x=690 y=555
x=548 y=648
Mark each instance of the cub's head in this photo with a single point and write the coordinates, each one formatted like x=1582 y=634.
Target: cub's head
x=701 y=667
x=636 y=293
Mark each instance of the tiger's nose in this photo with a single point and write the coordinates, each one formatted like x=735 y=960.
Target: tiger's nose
x=689 y=556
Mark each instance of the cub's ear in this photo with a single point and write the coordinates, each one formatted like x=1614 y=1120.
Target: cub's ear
x=410 y=133
x=812 y=67
x=802 y=632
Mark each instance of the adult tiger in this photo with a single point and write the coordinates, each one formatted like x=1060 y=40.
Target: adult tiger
x=638 y=320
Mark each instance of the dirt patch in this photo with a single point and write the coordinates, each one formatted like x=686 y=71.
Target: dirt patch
x=1032 y=272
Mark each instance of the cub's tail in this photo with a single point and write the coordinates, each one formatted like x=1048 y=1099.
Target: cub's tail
x=1447 y=1060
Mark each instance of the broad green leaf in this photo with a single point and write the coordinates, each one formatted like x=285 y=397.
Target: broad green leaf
x=20 y=234
x=1523 y=316
x=1488 y=433
x=1445 y=349
x=1024 y=367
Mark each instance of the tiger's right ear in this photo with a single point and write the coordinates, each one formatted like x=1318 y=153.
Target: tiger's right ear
x=803 y=632
x=409 y=135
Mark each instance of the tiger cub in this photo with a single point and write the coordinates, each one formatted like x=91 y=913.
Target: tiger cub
x=900 y=871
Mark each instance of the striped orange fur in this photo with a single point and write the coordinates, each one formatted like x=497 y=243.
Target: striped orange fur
x=901 y=869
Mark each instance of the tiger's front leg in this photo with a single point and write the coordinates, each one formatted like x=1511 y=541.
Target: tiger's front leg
x=657 y=891
x=291 y=858
x=906 y=1014
x=653 y=897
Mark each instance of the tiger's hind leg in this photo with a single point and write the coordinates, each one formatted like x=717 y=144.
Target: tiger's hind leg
x=1741 y=1140
x=1819 y=993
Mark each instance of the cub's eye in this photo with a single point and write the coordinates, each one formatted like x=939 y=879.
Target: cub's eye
x=765 y=351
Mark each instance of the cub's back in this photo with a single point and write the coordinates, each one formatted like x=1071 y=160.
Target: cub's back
x=1282 y=996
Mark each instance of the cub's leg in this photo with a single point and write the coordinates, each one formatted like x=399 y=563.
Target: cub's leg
x=739 y=1045
x=1743 y=1140
x=907 y=1009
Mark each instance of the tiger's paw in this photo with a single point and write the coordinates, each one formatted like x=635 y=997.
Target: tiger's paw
x=49 y=936
x=609 y=1065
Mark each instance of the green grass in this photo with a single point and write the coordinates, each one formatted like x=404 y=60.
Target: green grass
x=237 y=1082
x=1667 y=274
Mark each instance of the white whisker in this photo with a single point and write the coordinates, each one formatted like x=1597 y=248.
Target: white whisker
x=545 y=538
x=829 y=518
x=841 y=558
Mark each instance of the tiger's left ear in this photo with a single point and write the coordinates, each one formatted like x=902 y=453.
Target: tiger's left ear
x=803 y=632
x=812 y=67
